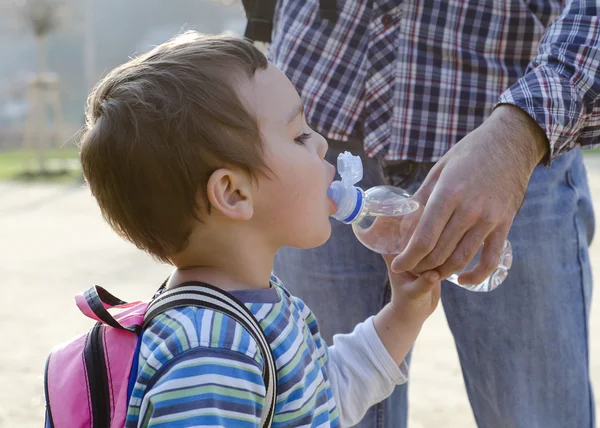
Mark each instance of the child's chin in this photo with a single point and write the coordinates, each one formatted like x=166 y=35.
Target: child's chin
x=315 y=240
x=326 y=235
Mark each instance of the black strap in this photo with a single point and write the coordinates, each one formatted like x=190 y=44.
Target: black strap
x=328 y=10
x=95 y=297
x=210 y=297
x=260 y=15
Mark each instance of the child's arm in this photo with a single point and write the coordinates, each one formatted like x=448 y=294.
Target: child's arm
x=205 y=387
x=365 y=366
x=413 y=299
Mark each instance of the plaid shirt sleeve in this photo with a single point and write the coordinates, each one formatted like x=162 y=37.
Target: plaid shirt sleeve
x=561 y=89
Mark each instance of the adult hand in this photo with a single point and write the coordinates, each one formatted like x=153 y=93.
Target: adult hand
x=472 y=195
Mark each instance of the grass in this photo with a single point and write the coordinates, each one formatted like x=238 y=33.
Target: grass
x=12 y=166
x=591 y=152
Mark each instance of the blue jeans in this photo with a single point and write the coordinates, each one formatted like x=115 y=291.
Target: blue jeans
x=524 y=348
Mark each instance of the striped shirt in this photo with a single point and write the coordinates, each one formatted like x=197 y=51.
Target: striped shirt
x=413 y=77
x=198 y=367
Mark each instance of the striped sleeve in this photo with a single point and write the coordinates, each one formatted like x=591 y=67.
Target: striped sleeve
x=561 y=90
x=205 y=387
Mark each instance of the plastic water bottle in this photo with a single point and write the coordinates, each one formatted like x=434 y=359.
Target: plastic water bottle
x=384 y=218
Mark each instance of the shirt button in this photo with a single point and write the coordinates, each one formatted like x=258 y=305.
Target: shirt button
x=386 y=20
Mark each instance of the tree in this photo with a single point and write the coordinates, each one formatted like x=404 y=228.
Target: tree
x=42 y=17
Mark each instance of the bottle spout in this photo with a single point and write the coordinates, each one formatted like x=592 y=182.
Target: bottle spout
x=350 y=168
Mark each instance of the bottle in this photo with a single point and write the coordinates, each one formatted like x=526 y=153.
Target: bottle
x=384 y=218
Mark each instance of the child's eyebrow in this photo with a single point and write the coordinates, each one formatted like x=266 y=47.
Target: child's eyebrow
x=299 y=110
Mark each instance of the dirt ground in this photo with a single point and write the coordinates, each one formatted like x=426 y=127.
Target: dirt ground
x=54 y=243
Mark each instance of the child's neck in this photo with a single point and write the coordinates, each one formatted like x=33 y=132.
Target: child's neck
x=245 y=265
x=216 y=277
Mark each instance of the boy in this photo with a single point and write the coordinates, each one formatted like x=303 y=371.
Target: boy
x=198 y=153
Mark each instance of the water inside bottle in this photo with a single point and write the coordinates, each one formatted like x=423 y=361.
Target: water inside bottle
x=386 y=218
x=386 y=234
x=496 y=277
x=390 y=234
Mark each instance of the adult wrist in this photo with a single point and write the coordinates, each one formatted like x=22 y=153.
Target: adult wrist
x=524 y=131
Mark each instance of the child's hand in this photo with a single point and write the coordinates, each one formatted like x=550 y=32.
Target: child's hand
x=413 y=300
x=413 y=297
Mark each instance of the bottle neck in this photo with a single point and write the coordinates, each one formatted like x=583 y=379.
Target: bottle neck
x=351 y=205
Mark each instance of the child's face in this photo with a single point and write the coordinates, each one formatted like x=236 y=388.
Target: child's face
x=292 y=202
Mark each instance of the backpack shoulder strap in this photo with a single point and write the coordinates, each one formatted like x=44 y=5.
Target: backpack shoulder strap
x=210 y=297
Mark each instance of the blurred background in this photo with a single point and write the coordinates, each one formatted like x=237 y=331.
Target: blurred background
x=53 y=240
x=53 y=52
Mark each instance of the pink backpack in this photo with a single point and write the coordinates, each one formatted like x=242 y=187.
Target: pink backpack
x=88 y=380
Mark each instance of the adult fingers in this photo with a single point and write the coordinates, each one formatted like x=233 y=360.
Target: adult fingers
x=453 y=233
x=435 y=216
x=490 y=256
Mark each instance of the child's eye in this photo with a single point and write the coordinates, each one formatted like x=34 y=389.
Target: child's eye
x=302 y=138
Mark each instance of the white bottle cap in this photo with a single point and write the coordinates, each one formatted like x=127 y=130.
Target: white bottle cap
x=350 y=168
x=347 y=197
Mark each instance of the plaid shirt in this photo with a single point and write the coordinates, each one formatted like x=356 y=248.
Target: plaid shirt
x=411 y=78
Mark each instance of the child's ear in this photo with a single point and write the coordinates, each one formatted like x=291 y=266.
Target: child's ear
x=229 y=192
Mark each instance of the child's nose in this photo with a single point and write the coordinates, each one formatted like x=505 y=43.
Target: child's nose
x=331 y=171
x=323 y=146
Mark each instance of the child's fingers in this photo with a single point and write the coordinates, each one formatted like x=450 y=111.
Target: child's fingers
x=402 y=277
x=424 y=283
x=426 y=280
x=388 y=259
x=428 y=276
x=431 y=276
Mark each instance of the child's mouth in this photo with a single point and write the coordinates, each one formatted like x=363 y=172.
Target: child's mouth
x=332 y=206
